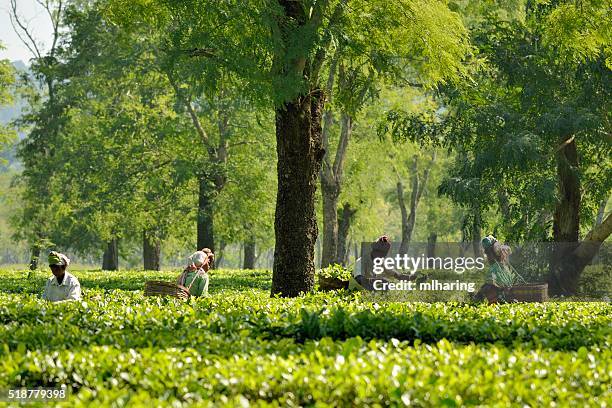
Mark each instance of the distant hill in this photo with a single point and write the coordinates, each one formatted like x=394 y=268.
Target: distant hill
x=20 y=65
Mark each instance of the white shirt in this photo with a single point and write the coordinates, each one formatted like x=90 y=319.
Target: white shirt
x=69 y=289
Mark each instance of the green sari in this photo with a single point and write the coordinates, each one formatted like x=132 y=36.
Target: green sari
x=501 y=275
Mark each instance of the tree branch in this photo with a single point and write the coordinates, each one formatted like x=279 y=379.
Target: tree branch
x=200 y=52
x=322 y=51
x=415 y=196
x=14 y=17
x=601 y=212
x=565 y=143
x=593 y=240
x=601 y=232
x=400 y=199
x=55 y=21
x=186 y=99
x=345 y=134
x=426 y=176
x=326 y=168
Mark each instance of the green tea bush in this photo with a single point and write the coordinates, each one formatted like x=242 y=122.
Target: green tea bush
x=335 y=271
x=128 y=319
x=238 y=346
x=559 y=326
x=324 y=372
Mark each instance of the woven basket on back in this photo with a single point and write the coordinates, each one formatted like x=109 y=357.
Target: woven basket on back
x=332 y=284
x=527 y=292
x=161 y=288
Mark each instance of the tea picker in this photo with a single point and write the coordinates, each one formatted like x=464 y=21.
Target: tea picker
x=193 y=281
x=503 y=282
x=195 y=276
x=63 y=285
x=380 y=249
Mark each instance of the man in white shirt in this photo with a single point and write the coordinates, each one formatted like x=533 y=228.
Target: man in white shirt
x=63 y=285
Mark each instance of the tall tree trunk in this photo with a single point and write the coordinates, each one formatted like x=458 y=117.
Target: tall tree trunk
x=219 y=255
x=331 y=175
x=249 y=255
x=431 y=245
x=477 y=232
x=51 y=128
x=418 y=186
x=504 y=204
x=406 y=225
x=34 y=256
x=346 y=214
x=465 y=244
x=329 y=186
x=271 y=259
x=217 y=156
x=318 y=252
x=601 y=212
x=577 y=256
x=298 y=146
x=542 y=225
x=205 y=220
x=110 y=258
x=329 y=195
x=151 y=248
x=504 y=208
x=566 y=221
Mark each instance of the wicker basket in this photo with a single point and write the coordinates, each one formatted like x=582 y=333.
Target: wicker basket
x=326 y=284
x=162 y=288
x=529 y=292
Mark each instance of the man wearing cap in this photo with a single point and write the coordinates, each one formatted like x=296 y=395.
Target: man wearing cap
x=63 y=285
x=195 y=276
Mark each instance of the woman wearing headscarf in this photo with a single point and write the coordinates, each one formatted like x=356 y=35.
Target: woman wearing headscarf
x=63 y=285
x=500 y=275
x=195 y=275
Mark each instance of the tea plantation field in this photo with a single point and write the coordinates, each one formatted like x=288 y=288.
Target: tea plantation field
x=239 y=347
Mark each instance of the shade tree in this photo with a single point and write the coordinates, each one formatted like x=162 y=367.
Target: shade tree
x=282 y=50
x=532 y=132
x=42 y=121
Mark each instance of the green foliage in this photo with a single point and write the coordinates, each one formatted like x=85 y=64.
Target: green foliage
x=7 y=79
x=322 y=372
x=540 y=325
x=581 y=31
x=507 y=125
x=129 y=157
x=9 y=202
x=253 y=41
x=117 y=346
x=371 y=170
x=7 y=82
x=335 y=271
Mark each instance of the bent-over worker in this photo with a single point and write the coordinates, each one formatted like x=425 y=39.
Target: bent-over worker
x=195 y=276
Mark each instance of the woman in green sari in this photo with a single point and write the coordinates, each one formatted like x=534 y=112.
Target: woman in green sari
x=195 y=276
x=500 y=275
